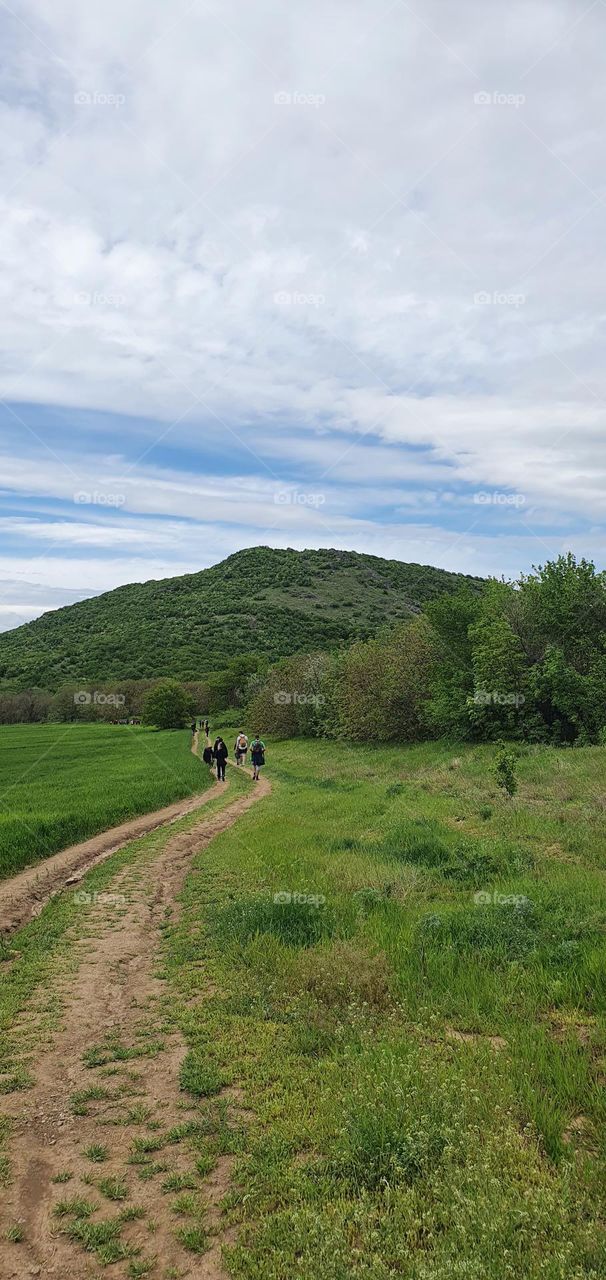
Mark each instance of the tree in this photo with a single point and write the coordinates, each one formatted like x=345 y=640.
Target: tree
x=499 y=668
x=447 y=710
x=168 y=706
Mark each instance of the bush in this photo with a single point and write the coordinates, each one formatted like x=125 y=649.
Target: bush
x=168 y=706
x=505 y=769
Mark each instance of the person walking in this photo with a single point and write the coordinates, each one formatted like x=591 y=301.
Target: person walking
x=241 y=747
x=257 y=756
x=206 y=727
x=220 y=754
x=207 y=755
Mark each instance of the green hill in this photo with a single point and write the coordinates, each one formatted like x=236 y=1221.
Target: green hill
x=262 y=601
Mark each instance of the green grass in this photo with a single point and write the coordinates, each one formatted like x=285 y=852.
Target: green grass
x=422 y=1067
x=63 y=783
x=113 y=1188
x=420 y=1071
x=96 y=1153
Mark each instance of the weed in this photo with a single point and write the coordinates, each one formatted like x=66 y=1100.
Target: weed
x=114 y=1188
x=74 y=1208
x=96 y=1153
x=194 y=1239
x=179 y=1182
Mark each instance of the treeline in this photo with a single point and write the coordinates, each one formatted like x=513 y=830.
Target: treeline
x=120 y=700
x=524 y=660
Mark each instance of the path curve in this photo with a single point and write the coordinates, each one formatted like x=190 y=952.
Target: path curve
x=24 y=895
x=113 y=989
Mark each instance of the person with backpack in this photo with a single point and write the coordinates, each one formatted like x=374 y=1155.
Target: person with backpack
x=220 y=754
x=257 y=756
x=207 y=755
x=241 y=747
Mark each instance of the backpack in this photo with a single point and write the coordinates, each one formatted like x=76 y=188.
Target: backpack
x=242 y=743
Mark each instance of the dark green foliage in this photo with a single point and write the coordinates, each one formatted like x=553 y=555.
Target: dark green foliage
x=505 y=769
x=168 y=705
x=260 y=601
x=526 y=661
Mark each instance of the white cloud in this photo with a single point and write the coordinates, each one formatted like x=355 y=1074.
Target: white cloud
x=378 y=256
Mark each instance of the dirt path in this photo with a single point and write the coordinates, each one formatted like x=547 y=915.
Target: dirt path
x=112 y=1001
x=24 y=895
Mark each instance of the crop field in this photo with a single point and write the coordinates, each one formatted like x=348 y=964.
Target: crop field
x=62 y=783
x=378 y=1046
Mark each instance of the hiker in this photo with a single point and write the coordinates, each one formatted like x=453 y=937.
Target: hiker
x=257 y=756
x=241 y=747
x=220 y=754
x=193 y=726
x=206 y=727
x=207 y=755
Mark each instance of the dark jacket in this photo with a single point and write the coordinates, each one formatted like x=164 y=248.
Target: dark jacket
x=220 y=751
x=207 y=755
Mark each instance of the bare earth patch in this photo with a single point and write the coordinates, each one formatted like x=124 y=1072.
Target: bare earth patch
x=474 y=1037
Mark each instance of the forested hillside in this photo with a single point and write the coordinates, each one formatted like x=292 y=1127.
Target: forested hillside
x=273 y=603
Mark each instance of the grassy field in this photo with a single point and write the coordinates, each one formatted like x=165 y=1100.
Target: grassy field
x=424 y=1066
x=62 y=783
x=398 y=973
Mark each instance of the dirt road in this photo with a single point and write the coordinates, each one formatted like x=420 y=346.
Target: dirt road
x=110 y=994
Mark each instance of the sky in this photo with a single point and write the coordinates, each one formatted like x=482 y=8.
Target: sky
x=316 y=275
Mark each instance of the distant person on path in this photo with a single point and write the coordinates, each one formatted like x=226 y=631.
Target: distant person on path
x=206 y=727
x=241 y=747
x=207 y=755
x=194 y=729
x=257 y=756
x=220 y=754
